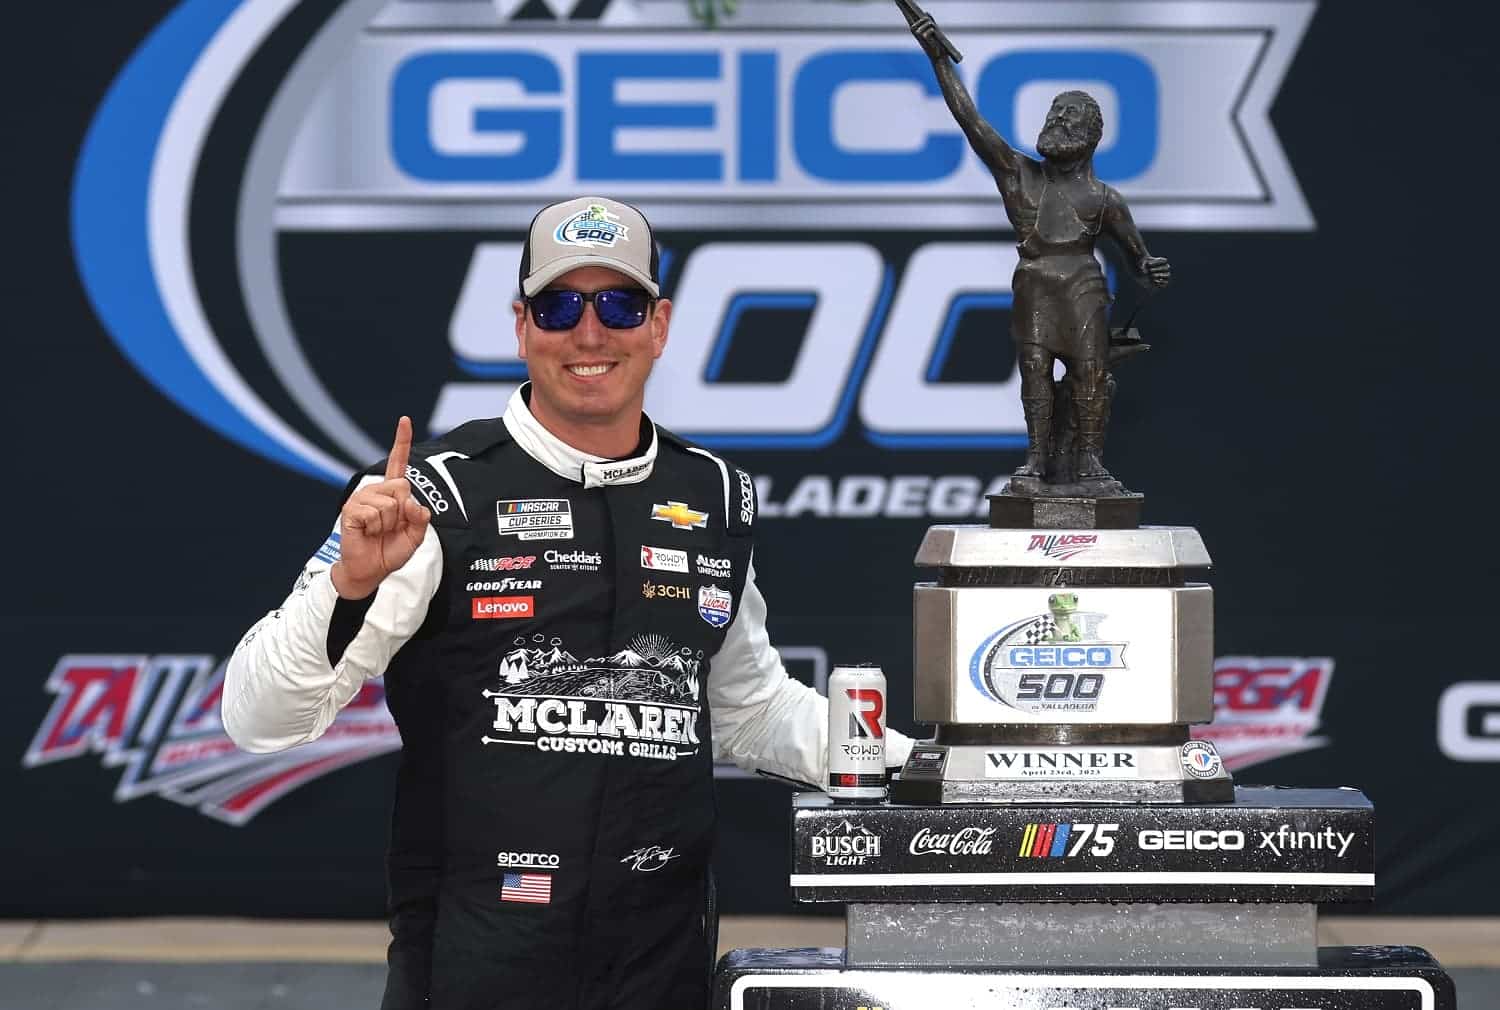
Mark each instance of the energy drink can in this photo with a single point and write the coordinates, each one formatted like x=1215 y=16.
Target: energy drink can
x=856 y=733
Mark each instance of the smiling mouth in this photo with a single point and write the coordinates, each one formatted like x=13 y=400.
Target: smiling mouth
x=588 y=371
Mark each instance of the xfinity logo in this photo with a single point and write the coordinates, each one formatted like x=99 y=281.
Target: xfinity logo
x=1286 y=839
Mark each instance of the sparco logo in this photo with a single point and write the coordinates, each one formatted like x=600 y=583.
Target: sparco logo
x=527 y=859
x=747 y=498
x=963 y=842
x=845 y=844
x=423 y=483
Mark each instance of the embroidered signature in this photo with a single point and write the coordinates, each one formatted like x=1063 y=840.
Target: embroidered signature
x=649 y=858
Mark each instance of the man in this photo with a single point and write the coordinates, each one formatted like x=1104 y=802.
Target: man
x=563 y=605
x=1060 y=307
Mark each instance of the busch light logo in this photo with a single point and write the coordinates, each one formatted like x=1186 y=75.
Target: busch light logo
x=440 y=130
x=845 y=844
x=1266 y=708
x=1053 y=662
x=157 y=717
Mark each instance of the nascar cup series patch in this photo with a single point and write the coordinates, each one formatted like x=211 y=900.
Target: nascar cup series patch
x=714 y=605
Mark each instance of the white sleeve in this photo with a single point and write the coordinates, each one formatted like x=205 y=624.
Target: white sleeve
x=763 y=720
x=279 y=689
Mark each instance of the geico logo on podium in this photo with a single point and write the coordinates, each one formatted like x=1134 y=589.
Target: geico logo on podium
x=1469 y=721
x=407 y=145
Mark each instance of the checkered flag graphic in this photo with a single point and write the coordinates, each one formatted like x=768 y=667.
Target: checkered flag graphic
x=1040 y=630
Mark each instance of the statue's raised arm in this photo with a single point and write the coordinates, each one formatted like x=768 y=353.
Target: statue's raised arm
x=1001 y=159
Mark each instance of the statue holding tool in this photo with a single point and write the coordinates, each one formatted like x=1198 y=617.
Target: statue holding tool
x=1058 y=208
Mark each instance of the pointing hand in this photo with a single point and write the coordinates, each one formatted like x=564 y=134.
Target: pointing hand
x=380 y=526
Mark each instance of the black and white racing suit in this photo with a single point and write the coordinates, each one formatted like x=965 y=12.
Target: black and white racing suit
x=571 y=645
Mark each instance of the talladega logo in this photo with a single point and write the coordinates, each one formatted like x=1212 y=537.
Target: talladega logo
x=257 y=161
x=157 y=718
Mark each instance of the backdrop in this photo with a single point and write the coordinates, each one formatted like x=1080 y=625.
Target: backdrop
x=253 y=232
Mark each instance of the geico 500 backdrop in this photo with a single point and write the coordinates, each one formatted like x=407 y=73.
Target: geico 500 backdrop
x=297 y=219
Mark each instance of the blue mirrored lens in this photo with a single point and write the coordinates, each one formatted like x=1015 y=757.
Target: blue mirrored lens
x=621 y=309
x=557 y=310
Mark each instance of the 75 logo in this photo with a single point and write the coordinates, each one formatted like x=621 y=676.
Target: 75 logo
x=1064 y=841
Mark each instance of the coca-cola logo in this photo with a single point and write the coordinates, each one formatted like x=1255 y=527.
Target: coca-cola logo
x=963 y=842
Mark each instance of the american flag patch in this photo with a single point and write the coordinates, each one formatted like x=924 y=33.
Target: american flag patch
x=535 y=888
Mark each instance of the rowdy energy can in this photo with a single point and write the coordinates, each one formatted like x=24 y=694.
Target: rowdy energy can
x=856 y=733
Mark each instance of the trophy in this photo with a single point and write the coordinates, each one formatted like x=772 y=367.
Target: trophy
x=1063 y=840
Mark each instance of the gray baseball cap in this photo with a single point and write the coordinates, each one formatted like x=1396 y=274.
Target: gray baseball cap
x=588 y=231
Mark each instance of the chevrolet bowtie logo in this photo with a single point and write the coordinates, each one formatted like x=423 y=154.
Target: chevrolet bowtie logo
x=679 y=515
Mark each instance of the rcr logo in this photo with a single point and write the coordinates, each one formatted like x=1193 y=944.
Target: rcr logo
x=1469 y=721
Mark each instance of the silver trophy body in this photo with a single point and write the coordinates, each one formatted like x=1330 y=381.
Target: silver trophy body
x=1062 y=665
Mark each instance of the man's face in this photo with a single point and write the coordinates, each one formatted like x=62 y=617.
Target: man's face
x=1065 y=134
x=590 y=374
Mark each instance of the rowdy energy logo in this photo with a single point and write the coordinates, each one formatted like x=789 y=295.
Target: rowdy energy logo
x=1052 y=662
x=158 y=718
x=257 y=160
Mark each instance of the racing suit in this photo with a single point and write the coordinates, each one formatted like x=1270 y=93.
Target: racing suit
x=571 y=645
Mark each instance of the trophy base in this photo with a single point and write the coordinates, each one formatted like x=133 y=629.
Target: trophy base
x=1342 y=978
x=1030 y=504
x=1109 y=773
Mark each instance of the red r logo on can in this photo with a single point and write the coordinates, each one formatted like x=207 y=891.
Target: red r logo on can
x=864 y=721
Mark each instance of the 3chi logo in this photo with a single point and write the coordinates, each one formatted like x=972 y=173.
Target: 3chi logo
x=866 y=708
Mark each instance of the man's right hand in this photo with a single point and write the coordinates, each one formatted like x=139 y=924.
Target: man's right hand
x=380 y=526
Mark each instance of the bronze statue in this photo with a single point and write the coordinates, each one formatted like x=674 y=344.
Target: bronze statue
x=1058 y=208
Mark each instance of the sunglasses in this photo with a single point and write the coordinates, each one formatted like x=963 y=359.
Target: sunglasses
x=617 y=308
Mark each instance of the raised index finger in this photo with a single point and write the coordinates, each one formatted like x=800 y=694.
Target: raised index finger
x=395 y=465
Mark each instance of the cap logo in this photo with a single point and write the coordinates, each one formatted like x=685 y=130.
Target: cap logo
x=593 y=226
